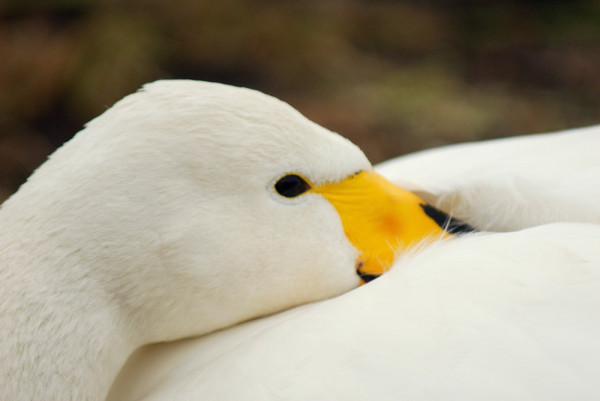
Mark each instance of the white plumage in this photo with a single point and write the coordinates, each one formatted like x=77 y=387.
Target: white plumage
x=491 y=316
x=160 y=221
x=509 y=184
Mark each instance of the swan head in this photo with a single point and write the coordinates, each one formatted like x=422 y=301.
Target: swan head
x=192 y=206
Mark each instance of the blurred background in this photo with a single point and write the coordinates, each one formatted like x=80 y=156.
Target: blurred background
x=393 y=76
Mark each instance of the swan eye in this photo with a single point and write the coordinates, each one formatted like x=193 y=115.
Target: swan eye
x=291 y=186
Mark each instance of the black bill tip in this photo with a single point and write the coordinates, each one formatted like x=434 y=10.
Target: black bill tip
x=367 y=277
x=445 y=221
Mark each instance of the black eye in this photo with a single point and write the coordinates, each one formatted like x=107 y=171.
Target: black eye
x=291 y=186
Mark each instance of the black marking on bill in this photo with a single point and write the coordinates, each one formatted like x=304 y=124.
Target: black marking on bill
x=367 y=277
x=445 y=221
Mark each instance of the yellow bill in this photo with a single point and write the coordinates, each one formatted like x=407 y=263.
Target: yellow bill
x=381 y=219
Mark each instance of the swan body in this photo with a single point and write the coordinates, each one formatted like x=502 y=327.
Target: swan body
x=509 y=184
x=167 y=217
x=495 y=316
x=491 y=315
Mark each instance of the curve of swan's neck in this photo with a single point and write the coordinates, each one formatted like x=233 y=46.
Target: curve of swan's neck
x=61 y=338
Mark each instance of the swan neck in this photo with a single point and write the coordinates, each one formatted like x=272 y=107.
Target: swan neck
x=62 y=338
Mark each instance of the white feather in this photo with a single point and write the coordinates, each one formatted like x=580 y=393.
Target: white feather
x=130 y=232
x=509 y=184
x=159 y=221
x=489 y=316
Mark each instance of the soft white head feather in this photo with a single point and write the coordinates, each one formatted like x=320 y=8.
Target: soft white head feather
x=168 y=197
x=161 y=216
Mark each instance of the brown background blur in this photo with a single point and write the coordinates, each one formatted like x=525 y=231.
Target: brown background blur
x=393 y=76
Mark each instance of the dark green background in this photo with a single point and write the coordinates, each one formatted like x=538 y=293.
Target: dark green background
x=393 y=76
